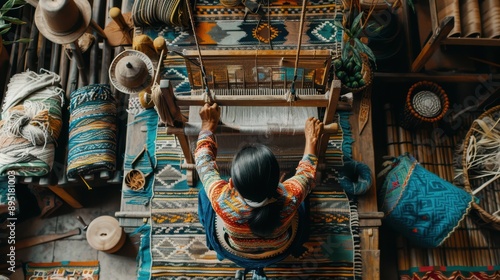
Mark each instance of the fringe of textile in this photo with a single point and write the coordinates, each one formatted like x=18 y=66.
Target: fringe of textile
x=31 y=123
x=358 y=261
x=92 y=131
x=150 y=117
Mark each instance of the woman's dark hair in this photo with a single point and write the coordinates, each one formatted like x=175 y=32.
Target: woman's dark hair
x=255 y=174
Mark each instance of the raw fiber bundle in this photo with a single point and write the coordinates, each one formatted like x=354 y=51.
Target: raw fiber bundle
x=92 y=130
x=31 y=123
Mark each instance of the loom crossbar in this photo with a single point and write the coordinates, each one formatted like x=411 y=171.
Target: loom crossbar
x=256 y=78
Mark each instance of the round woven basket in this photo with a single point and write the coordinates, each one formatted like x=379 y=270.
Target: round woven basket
x=480 y=215
x=366 y=72
x=426 y=103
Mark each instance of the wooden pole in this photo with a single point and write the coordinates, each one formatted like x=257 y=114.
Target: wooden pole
x=391 y=150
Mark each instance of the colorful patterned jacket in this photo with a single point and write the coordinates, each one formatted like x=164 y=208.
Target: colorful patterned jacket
x=232 y=209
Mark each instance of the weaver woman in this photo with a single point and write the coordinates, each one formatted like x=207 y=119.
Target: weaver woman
x=253 y=219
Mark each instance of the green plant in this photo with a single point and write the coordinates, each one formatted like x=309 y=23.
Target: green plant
x=355 y=53
x=353 y=46
x=6 y=22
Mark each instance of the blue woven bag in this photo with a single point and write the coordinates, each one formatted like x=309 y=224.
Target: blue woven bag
x=420 y=205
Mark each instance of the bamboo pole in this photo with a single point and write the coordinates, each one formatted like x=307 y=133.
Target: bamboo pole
x=391 y=149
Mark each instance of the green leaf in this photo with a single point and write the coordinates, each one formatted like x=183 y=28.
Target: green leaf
x=13 y=20
x=10 y=5
x=346 y=51
x=24 y=40
x=7 y=6
x=338 y=24
x=357 y=56
x=365 y=49
x=4 y=29
x=410 y=3
x=356 y=25
x=4 y=25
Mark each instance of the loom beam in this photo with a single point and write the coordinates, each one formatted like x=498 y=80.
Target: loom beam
x=254 y=79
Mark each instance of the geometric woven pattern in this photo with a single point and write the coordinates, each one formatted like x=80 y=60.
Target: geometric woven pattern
x=452 y=273
x=220 y=27
x=178 y=243
x=428 y=208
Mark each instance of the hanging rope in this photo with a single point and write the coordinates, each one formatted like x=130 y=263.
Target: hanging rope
x=301 y=30
x=202 y=67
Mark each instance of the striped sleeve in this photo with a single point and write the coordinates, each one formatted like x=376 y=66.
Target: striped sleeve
x=205 y=155
x=305 y=173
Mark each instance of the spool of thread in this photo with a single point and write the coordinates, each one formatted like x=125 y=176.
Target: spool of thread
x=105 y=234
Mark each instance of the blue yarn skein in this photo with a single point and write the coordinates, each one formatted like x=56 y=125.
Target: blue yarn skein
x=355 y=177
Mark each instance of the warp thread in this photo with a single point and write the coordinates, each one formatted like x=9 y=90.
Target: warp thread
x=31 y=123
x=92 y=130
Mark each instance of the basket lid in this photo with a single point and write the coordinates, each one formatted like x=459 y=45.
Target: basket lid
x=427 y=103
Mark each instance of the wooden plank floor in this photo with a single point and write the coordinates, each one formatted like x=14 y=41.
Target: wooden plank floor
x=100 y=201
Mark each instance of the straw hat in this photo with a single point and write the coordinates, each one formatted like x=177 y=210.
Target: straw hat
x=131 y=71
x=63 y=21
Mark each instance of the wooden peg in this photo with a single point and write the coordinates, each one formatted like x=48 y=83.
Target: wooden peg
x=116 y=15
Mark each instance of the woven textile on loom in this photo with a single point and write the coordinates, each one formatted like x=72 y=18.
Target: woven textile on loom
x=220 y=27
x=177 y=246
x=92 y=131
x=31 y=123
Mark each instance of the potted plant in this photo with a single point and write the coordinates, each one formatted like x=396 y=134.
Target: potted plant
x=354 y=66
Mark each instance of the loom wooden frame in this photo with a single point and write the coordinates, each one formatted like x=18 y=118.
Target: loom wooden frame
x=315 y=58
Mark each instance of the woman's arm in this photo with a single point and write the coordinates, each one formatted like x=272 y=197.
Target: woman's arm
x=206 y=148
x=305 y=175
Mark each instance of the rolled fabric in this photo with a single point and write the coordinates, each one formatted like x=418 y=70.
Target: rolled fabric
x=355 y=177
x=447 y=8
x=471 y=18
x=92 y=131
x=490 y=18
x=31 y=123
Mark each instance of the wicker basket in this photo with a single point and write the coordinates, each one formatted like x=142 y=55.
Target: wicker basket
x=426 y=103
x=366 y=72
x=479 y=213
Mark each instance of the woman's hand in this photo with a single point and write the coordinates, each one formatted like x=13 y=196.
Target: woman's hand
x=313 y=130
x=210 y=116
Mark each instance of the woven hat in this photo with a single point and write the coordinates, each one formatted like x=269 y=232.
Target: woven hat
x=131 y=71
x=63 y=21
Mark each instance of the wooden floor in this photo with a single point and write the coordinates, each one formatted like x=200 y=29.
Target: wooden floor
x=99 y=201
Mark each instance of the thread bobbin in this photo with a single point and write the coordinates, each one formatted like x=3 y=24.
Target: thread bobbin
x=105 y=234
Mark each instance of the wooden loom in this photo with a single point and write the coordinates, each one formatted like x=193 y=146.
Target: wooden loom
x=253 y=79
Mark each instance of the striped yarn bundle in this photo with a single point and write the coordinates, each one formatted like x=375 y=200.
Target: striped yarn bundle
x=92 y=131
x=31 y=123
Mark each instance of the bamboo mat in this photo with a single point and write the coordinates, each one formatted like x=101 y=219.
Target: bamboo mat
x=470 y=248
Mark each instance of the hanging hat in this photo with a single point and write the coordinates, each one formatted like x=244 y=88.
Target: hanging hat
x=131 y=71
x=63 y=21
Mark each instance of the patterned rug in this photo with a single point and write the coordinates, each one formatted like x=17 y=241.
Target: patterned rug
x=88 y=270
x=452 y=273
x=177 y=247
x=220 y=27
